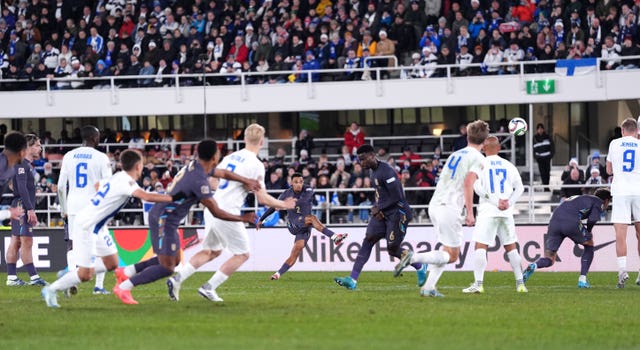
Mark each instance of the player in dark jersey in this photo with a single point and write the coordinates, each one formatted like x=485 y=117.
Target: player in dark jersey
x=567 y=222
x=390 y=215
x=24 y=192
x=15 y=148
x=165 y=218
x=299 y=221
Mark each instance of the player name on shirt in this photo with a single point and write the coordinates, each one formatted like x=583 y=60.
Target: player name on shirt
x=628 y=144
x=81 y=156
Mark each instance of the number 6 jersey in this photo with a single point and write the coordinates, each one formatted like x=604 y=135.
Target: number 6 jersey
x=81 y=168
x=624 y=155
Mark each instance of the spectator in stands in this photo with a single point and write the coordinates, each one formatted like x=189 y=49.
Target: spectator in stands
x=413 y=158
x=137 y=141
x=304 y=142
x=348 y=157
x=573 y=179
x=610 y=54
x=543 y=151
x=340 y=176
x=595 y=163
x=594 y=179
x=354 y=137
x=573 y=164
x=461 y=141
x=382 y=154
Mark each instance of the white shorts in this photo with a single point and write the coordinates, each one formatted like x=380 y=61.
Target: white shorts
x=625 y=209
x=220 y=234
x=71 y=220
x=487 y=228
x=447 y=220
x=87 y=245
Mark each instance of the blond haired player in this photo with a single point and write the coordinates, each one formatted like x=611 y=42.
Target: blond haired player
x=453 y=193
x=221 y=234
x=623 y=162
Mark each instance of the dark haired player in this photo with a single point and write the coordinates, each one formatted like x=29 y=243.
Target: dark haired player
x=165 y=218
x=90 y=230
x=81 y=168
x=390 y=215
x=567 y=222
x=299 y=221
x=15 y=148
x=24 y=196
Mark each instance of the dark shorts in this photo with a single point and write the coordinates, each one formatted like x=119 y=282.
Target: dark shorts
x=21 y=227
x=393 y=228
x=302 y=233
x=165 y=240
x=559 y=230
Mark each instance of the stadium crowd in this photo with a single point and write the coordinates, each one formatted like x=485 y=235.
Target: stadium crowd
x=75 y=38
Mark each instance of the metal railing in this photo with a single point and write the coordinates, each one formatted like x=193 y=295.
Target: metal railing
x=534 y=206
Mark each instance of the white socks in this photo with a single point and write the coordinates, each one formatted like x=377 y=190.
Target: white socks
x=98 y=267
x=582 y=278
x=186 y=272
x=516 y=264
x=100 y=280
x=622 y=264
x=217 y=279
x=434 y=257
x=435 y=271
x=67 y=281
x=126 y=285
x=71 y=263
x=480 y=264
x=130 y=270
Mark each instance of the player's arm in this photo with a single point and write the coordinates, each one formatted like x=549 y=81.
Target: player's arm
x=609 y=168
x=213 y=207
x=518 y=189
x=11 y=213
x=269 y=211
x=152 y=197
x=469 y=180
x=251 y=184
x=62 y=188
x=266 y=199
x=22 y=178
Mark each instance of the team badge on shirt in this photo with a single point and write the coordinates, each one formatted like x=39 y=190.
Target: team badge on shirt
x=205 y=189
x=21 y=171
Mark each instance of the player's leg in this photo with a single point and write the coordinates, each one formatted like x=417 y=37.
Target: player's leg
x=26 y=244
x=237 y=239
x=484 y=233
x=507 y=234
x=12 y=260
x=107 y=252
x=337 y=238
x=299 y=243
x=375 y=232
x=637 y=226
x=621 y=218
x=396 y=229
x=585 y=264
x=448 y=227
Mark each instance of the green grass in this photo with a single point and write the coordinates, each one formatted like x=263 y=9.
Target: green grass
x=306 y=310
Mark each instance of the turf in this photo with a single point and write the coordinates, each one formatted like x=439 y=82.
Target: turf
x=306 y=310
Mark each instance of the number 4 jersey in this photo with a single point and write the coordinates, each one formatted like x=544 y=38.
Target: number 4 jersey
x=81 y=169
x=624 y=155
x=450 y=187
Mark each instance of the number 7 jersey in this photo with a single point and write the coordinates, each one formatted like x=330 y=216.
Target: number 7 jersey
x=450 y=187
x=624 y=155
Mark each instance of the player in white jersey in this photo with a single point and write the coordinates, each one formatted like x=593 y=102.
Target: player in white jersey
x=81 y=168
x=499 y=186
x=453 y=193
x=221 y=234
x=623 y=162
x=91 y=237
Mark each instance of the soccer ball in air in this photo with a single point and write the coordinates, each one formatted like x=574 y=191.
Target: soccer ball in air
x=518 y=126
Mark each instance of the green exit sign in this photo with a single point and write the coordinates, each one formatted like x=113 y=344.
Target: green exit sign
x=541 y=87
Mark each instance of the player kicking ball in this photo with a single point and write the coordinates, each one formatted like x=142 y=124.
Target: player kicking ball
x=499 y=186
x=91 y=236
x=566 y=222
x=300 y=221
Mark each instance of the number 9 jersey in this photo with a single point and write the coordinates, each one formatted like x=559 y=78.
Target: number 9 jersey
x=624 y=156
x=81 y=169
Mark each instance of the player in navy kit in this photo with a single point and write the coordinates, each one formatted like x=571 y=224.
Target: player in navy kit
x=15 y=148
x=24 y=192
x=566 y=222
x=164 y=219
x=300 y=221
x=390 y=215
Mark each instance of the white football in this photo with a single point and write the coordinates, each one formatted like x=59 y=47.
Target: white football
x=518 y=126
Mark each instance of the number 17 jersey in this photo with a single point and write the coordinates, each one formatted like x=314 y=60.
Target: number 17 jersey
x=450 y=187
x=624 y=155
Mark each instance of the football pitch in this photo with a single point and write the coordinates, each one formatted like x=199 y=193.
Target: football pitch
x=306 y=310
